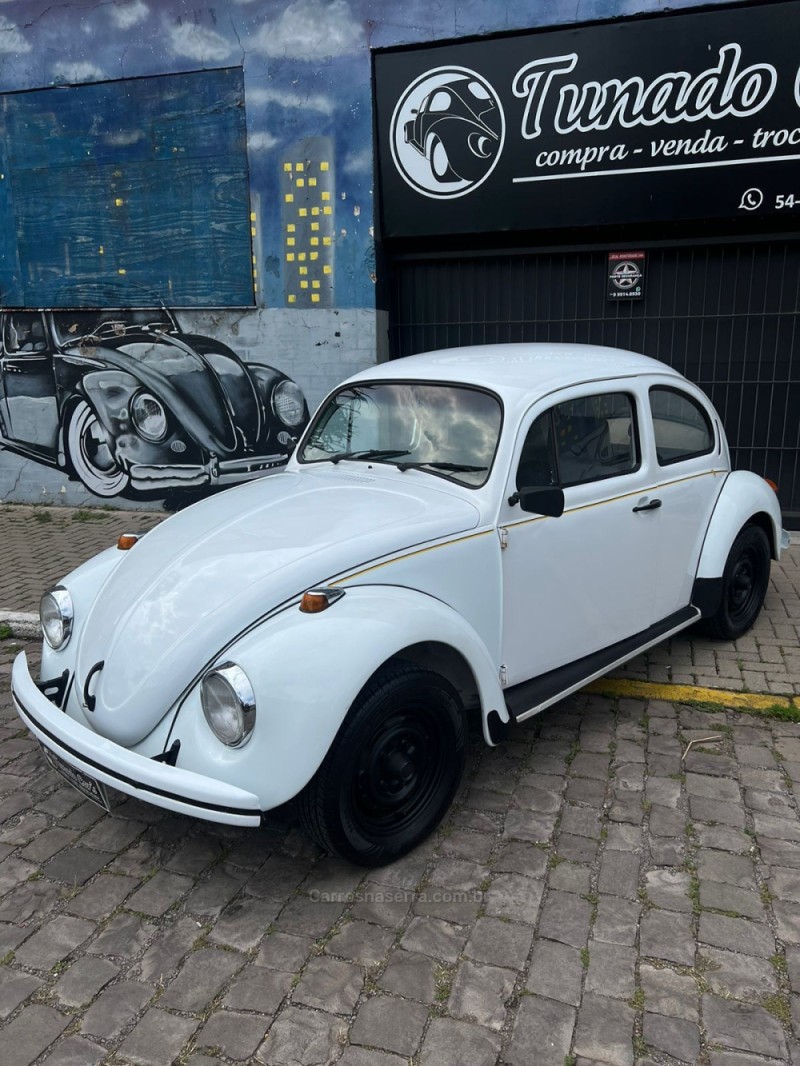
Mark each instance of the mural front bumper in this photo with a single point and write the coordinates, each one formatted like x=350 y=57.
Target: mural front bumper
x=149 y=476
x=101 y=760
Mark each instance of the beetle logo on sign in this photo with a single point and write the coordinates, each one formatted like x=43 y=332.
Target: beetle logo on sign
x=447 y=132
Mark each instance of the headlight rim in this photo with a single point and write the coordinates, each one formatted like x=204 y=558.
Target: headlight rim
x=281 y=386
x=237 y=681
x=151 y=438
x=61 y=597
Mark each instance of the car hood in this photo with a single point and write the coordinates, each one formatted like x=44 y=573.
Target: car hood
x=197 y=580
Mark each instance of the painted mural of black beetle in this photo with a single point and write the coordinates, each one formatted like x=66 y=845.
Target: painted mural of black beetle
x=129 y=404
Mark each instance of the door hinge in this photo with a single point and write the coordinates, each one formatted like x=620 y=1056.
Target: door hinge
x=503 y=536
x=503 y=677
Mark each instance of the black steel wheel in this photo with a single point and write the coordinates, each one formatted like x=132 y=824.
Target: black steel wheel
x=744 y=585
x=392 y=770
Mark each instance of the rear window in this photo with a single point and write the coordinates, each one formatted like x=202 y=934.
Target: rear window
x=681 y=426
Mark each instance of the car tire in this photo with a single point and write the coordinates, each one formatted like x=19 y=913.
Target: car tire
x=392 y=770
x=439 y=160
x=744 y=585
x=90 y=456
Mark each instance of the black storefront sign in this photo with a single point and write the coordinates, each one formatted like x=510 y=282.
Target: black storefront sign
x=625 y=275
x=671 y=117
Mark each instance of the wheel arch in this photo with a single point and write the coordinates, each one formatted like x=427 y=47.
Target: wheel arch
x=745 y=499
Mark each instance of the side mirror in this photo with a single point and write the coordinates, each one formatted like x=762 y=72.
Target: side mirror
x=547 y=501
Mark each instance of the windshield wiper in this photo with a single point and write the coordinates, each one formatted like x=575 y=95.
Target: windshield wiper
x=460 y=468
x=369 y=453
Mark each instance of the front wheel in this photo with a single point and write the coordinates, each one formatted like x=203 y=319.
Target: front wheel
x=90 y=455
x=744 y=585
x=392 y=770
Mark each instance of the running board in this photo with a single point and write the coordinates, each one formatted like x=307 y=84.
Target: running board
x=530 y=697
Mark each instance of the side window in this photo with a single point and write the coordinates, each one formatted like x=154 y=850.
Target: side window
x=537 y=463
x=681 y=426
x=595 y=437
x=581 y=440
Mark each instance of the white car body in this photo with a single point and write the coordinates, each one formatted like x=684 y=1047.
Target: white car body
x=514 y=609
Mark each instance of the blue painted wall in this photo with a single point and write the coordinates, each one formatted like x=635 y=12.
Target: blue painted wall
x=307 y=75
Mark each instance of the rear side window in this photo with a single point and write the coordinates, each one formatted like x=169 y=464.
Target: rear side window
x=581 y=440
x=681 y=426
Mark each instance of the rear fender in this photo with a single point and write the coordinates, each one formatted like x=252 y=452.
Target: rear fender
x=745 y=498
x=307 y=669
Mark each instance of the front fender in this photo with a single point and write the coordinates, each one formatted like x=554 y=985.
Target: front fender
x=306 y=671
x=744 y=496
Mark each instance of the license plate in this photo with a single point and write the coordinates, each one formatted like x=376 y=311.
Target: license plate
x=87 y=786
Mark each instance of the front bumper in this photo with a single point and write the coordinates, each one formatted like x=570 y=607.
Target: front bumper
x=148 y=476
x=182 y=791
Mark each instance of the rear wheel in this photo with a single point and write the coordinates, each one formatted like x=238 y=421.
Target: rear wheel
x=744 y=585
x=392 y=770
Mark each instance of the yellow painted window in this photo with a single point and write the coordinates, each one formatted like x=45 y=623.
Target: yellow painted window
x=288 y=198
x=327 y=269
x=300 y=167
x=303 y=270
x=290 y=242
x=291 y=298
x=303 y=212
x=290 y=257
x=302 y=257
x=314 y=256
x=327 y=210
x=287 y=166
x=314 y=241
x=324 y=166
x=314 y=284
x=326 y=196
x=300 y=183
x=326 y=241
x=312 y=181
x=303 y=284
x=291 y=228
x=314 y=226
x=315 y=297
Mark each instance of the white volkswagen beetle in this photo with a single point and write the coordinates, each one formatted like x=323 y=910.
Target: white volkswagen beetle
x=480 y=530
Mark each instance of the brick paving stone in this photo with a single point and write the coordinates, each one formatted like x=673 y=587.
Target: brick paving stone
x=302 y=1038
x=570 y=877
x=244 y=922
x=730 y=869
x=258 y=989
x=54 y=941
x=159 y=893
x=468 y=845
x=381 y=905
x=669 y=993
x=528 y=825
x=787 y=919
x=126 y=934
x=674 y=1036
x=389 y=1024
x=499 y=943
x=15 y=989
x=715 y=895
x=237 y=1034
x=667 y=935
x=431 y=936
x=669 y=889
x=329 y=984
x=33 y=1030
x=480 y=993
x=410 y=975
x=743 y=1027
x=605 y=1030
x=738 y=934
x=576 y=848
x=619 y=874
x=566 y=918
x=359 y=1056
x=282 y=951
x=102 y=895
x=454 y=1043
x=556 y=972
x=83 y=980
x=723 y=838
x=200 y=979
x=157 y=1038
x=617 y=920
x=611 y=970
x=731 y=974
x=361 y=942
x=115 y=1008
x=31 y=898
x=308 y=917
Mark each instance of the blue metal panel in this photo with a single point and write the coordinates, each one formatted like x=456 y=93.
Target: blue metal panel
x=127 y=193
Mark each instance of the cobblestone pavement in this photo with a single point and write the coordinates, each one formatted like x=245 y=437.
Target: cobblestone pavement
x=593 y=897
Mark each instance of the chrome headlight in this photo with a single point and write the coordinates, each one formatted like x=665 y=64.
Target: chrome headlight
x=56 y=615
x=288 y=403
x=229 y=704
x=149 y=417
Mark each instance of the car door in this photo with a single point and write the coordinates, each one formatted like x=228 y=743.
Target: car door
x=578 y=583
x=690 y=462
x=30 y=412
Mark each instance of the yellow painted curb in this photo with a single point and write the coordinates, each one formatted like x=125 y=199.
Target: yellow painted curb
x=652 y=690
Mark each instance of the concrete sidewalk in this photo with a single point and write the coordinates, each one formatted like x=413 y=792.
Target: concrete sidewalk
x=42 y=544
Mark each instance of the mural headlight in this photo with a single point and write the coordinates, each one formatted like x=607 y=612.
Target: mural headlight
x=288 y=403
x=229 y=704
x=56 y=615
x=149 y=417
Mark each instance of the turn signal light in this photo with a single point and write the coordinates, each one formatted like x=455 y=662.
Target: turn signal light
x=127 y=540
x=771 y=484
x=316 y=600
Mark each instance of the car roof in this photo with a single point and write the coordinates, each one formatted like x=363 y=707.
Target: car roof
x=514 y=368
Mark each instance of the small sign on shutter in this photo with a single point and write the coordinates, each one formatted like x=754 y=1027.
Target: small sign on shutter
x=625 y=275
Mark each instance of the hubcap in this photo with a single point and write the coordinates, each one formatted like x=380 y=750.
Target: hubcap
x=743 y=585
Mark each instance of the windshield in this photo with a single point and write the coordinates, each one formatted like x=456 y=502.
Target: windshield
x=447 y=430
x=72 y=326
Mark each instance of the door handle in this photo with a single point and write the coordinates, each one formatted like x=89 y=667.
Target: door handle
x=652 y=506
